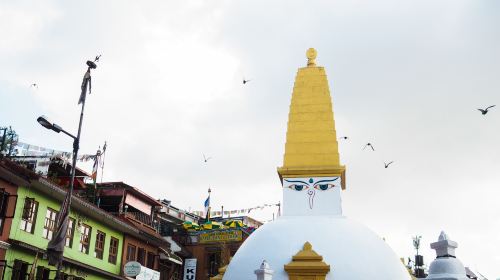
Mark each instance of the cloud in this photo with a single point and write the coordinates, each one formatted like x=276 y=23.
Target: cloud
x=406 y=76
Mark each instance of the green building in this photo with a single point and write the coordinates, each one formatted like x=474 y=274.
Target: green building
x=94 y=240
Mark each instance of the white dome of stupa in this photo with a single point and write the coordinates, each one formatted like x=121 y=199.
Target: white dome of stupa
x=312 y=180
x=352 y=250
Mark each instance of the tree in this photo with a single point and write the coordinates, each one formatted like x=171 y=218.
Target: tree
x=8 y=141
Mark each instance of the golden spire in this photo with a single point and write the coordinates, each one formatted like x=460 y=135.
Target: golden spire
x=311 y=148
x=307 y=264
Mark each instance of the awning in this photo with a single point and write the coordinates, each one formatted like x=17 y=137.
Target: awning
x=167 y=254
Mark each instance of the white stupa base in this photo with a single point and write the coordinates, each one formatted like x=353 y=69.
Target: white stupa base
x=447 y=269
x=353 y=251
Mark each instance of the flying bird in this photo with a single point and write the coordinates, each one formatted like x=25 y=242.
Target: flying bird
x=97 y=58
x=386 y=165
x=206 y=159
x=370 y=145
x=34 y=85
x=344 y=137
x=485 y=111
x=245 y=81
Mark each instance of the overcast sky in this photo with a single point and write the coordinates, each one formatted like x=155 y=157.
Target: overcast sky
x=407 y=76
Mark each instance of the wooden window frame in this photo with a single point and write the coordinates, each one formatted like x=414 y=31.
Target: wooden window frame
x=30 y=219
x=141 y=258
x=85 y=239
x=68 y=242
x=4 y=204
x=42 y=273
x=99 y=245
x=150 y=261
x=113 y=251
x=48 y=230
x=19 y=270
x=128 y=252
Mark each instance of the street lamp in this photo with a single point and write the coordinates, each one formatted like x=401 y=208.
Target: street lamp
x=44 y=122
x=55 y=248
x=52 y=126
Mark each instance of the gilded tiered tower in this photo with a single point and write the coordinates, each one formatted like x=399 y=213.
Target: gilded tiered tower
x=311 y=148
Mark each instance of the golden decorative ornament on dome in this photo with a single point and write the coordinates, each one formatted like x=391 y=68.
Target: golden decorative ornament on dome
x=311 y=57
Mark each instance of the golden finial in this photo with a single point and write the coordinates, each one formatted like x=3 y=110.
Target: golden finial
x=311 y=57
x=307 y=246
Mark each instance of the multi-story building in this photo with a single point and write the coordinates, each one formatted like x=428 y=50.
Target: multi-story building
x=212 y=249
x=94 y=239
x=170 y=219
x=8 y=198
x=139 y=210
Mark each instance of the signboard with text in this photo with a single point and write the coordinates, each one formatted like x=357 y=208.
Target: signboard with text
x=132 y=269
x=220 y=236
x=189 y=269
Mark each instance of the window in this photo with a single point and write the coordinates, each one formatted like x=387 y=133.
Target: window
x=42 y=273
x=70 y=233
x=4 y=200
x=214 y=260
x=113 y=250
x=85 y=231
x=141 y=256
x=50 y=223
x=29 y=215
x=151 y=260
x=131 y=252
x=99 y=244
x=19 y=270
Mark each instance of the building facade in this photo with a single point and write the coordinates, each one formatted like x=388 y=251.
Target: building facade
x=94 y=239
x=141 y=211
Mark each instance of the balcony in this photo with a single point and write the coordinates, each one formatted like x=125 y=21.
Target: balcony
x=140 y=217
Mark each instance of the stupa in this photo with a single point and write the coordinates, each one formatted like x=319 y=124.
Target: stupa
x=312 y=239
x=446 y=266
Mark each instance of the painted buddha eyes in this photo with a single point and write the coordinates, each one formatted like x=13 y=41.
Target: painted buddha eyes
x=298 y=187
x=324 y=187
x=310 y=185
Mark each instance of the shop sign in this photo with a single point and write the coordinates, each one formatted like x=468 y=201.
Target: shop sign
x=189 y=269
x=220 y=236
x=132 y=269
x=148 y=274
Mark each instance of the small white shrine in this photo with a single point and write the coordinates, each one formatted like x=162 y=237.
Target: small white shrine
x=446 y=266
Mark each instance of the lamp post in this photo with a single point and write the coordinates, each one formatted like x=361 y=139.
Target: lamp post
x=55 y=248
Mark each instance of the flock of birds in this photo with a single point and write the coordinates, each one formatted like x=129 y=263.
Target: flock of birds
x=387 y=164
x=369 y=145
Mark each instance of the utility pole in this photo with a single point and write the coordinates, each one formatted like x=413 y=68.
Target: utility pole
x=419 y=260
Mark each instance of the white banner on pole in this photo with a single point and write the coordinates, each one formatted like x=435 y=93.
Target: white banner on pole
x=189 y=269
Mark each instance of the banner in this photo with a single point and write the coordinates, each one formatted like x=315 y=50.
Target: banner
x=189 y=269
x=236 y=212
x=218 y=236
x=148 y=274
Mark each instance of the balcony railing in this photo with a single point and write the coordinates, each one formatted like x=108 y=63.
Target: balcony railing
x=140 y=217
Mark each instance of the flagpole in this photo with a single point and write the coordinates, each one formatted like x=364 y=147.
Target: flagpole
x=94 y=173
x=103 y=158
x=209 y=208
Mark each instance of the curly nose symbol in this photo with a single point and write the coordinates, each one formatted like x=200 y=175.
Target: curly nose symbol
x=311 y=194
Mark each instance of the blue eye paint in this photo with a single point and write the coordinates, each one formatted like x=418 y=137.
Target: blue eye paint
x=323 y=187
x=299 y=187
